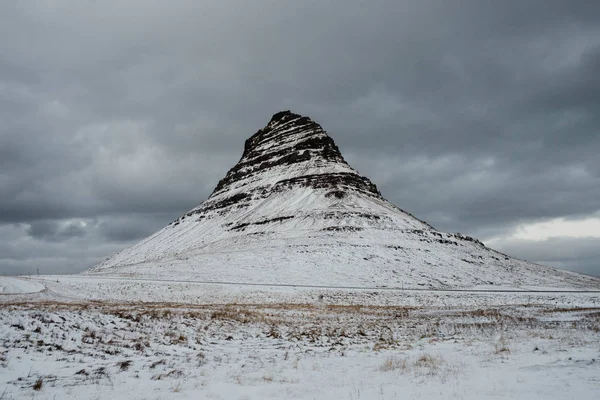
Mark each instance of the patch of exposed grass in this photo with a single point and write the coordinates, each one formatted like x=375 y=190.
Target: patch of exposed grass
x=37 y=386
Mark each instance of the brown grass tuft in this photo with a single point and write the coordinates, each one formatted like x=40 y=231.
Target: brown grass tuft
x=37 y=386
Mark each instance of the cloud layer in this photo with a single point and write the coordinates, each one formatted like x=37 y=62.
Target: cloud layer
x=118 y=116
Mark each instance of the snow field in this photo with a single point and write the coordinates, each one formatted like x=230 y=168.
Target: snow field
x=298 y=351
x=80 y=288
x=19 y=285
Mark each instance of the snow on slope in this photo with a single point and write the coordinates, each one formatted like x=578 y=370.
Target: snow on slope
x=292 y=211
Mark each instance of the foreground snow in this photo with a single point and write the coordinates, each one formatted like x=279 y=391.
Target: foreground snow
x=298 y=343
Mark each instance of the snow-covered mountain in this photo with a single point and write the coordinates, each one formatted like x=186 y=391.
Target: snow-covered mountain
x=292 y=211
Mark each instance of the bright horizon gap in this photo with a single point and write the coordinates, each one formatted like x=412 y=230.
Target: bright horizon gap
x=557 y=227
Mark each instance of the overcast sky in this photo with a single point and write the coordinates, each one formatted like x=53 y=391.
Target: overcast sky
x=117 y=116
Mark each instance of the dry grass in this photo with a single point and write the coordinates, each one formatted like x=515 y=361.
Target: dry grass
x=304 y=325
x=394 y=364
x=157 y=363
x=174 y=373
x=124 y=365
x=176 y=338
x=428 y=361
x=501 y=347
x=423 y=365
x=176 y=387
x=37 y=386
x=167 y=341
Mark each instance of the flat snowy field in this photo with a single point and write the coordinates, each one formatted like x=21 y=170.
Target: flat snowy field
x=75 y=337
x=18 y=286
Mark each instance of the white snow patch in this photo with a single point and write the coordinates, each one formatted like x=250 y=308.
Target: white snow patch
x=19 y=285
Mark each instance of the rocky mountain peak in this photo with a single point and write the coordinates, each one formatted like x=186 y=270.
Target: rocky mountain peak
x=289 y=133
x=298 y=150
x=283 y=116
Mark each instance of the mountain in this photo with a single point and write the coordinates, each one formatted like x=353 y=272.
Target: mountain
x=292 y=211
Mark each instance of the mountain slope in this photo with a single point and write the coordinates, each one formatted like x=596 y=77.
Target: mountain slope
x=292 y=211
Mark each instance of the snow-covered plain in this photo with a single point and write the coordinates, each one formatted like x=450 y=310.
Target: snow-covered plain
x=15 y=285
x=101 y=338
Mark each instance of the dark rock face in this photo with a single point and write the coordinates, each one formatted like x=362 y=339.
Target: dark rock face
x=338 y=182
x=287 y=141
x=264 y=222
x=306 y=140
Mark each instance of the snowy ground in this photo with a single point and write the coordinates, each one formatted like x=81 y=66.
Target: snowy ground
x=18 y=286
x=89 y=338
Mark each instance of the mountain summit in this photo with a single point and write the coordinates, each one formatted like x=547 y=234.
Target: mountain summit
x=292 y=211
x=292 y=154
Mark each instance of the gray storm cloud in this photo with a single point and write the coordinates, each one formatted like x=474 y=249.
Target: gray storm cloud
x=118 y=116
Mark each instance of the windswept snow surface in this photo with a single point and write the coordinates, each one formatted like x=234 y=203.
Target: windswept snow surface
x=102 y=338
x=79 y=288
x=292 y=211
x=19 y=285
